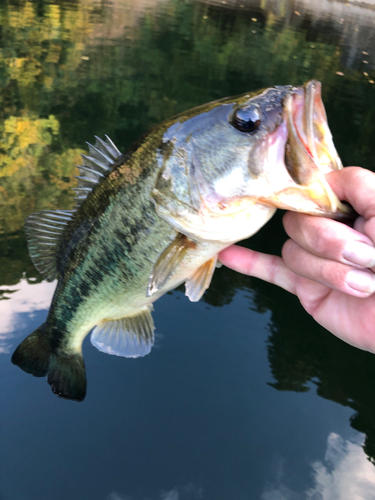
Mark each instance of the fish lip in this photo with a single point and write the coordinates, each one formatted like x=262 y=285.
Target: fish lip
x=309 y=149
x=300 y=114
x=313 y=104
x=310 y=120
x=315 y=113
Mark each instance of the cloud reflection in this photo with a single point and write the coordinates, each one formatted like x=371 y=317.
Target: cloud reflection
x=345 y=473
x=19 y=305
x=188 y=492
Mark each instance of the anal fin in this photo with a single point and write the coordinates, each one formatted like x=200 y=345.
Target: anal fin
x=167 y=263
x=198 y=283
x=130 y=337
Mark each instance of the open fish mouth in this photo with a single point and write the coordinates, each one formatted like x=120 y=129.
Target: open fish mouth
x=308 y=134
x=309 y=155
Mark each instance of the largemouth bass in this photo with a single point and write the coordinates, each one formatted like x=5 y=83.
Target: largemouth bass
x=158 y=216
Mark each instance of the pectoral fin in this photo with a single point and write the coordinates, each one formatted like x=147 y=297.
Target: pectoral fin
x=197 y=284
x=130 y=337
x=167 y=263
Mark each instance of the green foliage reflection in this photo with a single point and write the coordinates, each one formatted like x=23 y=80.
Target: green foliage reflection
x=62 y=83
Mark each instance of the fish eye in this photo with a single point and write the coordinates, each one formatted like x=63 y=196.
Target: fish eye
x=247 y=119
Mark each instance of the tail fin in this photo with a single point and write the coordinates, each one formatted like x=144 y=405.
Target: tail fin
x=33 y=354
x=67 y=376
x=66 y=371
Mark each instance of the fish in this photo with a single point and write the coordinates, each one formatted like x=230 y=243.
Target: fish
x=157 y=216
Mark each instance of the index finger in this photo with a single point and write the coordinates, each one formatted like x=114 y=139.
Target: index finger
x=357 y=186
x=260 y=265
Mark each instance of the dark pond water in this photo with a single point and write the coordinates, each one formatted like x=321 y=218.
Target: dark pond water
x=244 y=396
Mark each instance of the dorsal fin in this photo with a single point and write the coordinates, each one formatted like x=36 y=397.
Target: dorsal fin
x=102 y=156
x=43 y=231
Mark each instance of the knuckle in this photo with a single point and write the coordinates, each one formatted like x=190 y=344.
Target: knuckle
x=333 y=274
x=290 y=222
x=321 y=242
x=363 y=181
x=288 y=250
x=369 y=229
x=363 y=176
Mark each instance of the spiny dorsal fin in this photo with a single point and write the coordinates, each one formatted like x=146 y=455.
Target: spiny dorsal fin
x=102 y=156
x=43 y=231
x=168 y=262
x=197 y=284
x=130 y=337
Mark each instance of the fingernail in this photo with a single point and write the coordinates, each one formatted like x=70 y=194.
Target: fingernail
x=362 y=281
x=359 y=253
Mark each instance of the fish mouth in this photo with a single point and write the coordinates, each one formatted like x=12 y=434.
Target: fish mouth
x=309 y=155
x=308 y=134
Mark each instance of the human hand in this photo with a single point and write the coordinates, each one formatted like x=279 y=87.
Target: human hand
x=328 y=265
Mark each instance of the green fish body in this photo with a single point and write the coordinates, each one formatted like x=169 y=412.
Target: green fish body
x=158 y=216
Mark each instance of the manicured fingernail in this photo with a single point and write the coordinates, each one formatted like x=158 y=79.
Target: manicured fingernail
x=362 y=281
x=359 y=253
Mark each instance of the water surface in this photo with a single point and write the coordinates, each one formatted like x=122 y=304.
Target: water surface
x=244 y=396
